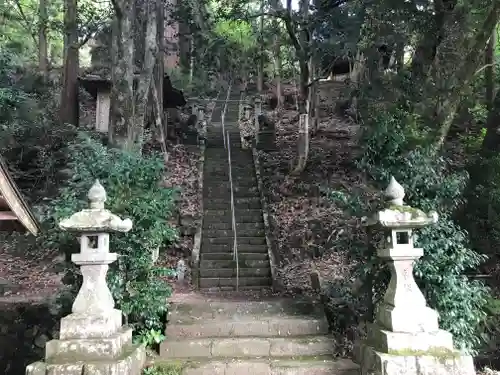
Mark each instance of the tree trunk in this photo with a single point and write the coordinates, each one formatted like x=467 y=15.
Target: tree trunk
x=426 y=48
x=42 y=38
x=491 y=141
x=160 y=66
x=447 y=104
x=122 y=74
x=489 y=73
x=69 y=95
x=277 y=70
x=136 y=130
x=302 y=145
x=260 y=73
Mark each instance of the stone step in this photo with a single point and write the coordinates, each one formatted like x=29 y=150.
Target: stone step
x=245 y=182
x=229 y=256
x=284 y=312
x=253 y=240
x=228 y=225
x=210 y=282
x=207 y=204
x=247 y=347
x=207 y=264
x=233 y=272
x=238 y=190
x=227 y=218
x=261 y=366
x=253 y=232
x=228 y=248
x=237 y=199
x=239 y=212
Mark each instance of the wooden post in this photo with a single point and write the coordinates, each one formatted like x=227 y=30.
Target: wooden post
x=257 y=112
x=102 y=111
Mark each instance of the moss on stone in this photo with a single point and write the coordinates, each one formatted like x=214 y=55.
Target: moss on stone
x=166 y=368
x=415 y=212
x=440 y=353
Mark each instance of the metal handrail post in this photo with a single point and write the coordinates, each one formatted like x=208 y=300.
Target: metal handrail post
x=233 y=215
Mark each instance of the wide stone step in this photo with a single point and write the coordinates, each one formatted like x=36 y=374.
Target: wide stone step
x=218 y=240
x=229 y=256
x=228 y=247
x=237 y=199
x=227 y=188
x=207 y=224
x=254 y=232
x=243 y=183
x=227 y=218
x=240 y=199
x=239 y=212
x=233 y=272
x=210 y=282
x=247 y=347
x=208 y=204
x=285 y=366
x=208 y=264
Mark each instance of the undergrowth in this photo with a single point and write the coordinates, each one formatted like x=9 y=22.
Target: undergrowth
x=392 y=147
x=132 y=183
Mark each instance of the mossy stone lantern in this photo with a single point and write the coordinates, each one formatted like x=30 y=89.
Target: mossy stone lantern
x=403 y=298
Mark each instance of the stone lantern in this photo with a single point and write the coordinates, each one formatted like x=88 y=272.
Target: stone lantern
x=405 y=337
x=92 y=339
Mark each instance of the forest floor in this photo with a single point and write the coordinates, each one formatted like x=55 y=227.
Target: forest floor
x=309 y=227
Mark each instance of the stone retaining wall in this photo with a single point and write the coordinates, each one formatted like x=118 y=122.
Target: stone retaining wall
x=25 y=328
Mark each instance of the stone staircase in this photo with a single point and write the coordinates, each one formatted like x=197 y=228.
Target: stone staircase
x=245 y=332
x=242 y=337
x=217 y=269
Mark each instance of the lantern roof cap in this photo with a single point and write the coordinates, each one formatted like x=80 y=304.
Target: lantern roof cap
x=396 y=214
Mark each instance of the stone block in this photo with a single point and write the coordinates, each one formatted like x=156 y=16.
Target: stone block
x=415 y=363
x=288 y=347
x=241 y=347
x=36 y=368
x=387 y=341
x=83 y=326
x=131 y=362
x=90 y=349
x=186 y=348
x=407 y=319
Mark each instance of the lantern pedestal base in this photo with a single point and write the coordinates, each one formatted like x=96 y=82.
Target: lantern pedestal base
x=391 y=342
x=84 y=326
x=93 y=345
x=130 y=362
x=450 y=362
x=407 y=319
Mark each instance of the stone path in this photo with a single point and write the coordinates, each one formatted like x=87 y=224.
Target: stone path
x=217 y=267
x=227 y=336
x=249 y=331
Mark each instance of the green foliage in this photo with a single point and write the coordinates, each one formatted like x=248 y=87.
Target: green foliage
x=392 y=150
x=32 y=141
x=164 y=369
x=132 y=183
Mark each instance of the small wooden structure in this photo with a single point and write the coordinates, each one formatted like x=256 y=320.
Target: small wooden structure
x=15 y=215
x=100 y=89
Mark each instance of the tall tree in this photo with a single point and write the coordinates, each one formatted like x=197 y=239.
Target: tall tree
x=69 y=95
x=42 y=37
x=122 y=73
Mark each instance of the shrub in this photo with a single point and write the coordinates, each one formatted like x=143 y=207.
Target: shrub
x=393 y=148
x=31 y=140
x=132 y=183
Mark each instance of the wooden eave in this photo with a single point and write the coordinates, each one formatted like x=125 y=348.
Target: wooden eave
x=13 y=208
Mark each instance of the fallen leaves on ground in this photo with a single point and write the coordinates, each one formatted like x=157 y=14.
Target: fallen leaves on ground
x=24 y=278
x=308 y=226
